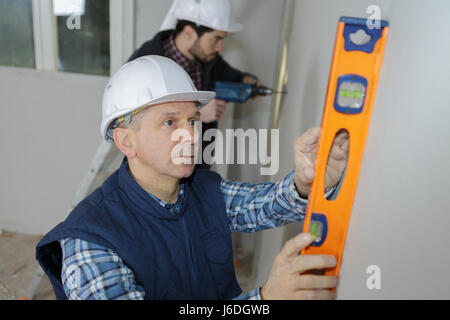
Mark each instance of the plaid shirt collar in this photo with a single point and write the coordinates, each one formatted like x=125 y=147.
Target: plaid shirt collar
x=174 y=208
x=192 y=67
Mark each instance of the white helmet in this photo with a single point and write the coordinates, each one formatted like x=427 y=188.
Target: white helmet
x=215 y=14
x=143 y=82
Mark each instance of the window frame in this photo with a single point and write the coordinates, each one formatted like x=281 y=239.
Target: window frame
x=122 y=21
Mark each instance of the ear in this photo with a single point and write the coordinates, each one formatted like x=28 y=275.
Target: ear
x=189 y=32
x=124 y=141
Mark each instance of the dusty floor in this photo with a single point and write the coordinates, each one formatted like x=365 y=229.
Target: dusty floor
x=17 y=267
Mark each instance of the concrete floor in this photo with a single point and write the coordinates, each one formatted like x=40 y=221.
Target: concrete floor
x=17 y=267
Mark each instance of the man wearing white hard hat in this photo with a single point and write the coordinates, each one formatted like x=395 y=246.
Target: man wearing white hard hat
x=160 y=229
x=192 y=35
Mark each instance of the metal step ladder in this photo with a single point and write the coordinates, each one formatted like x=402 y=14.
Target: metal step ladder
x=106 y=160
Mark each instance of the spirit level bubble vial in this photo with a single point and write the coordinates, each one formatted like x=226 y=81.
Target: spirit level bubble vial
x=352 y=82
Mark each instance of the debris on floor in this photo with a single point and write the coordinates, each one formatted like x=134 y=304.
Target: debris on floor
x=18 y=265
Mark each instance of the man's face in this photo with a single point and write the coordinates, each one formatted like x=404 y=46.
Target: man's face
x=166 y=140
x=208 y=45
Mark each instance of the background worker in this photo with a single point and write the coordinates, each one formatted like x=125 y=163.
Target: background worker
x=197 y=29
x=160 y=229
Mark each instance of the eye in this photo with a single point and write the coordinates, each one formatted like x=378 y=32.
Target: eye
x=168 y=122
x=192 y=122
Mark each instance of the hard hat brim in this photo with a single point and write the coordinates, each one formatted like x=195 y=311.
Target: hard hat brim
x=202 y=97
x=235 y=27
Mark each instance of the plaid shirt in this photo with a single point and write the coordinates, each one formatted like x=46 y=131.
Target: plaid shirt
x=90 y=271
x=192 y=67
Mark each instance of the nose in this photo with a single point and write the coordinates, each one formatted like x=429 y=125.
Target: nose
x=195 y=132
x=219 y=46
x=192 y=134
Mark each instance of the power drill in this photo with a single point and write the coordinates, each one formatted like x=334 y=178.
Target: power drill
x=240 y=92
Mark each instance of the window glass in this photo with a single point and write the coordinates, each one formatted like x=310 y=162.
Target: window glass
x=16 y=33
x=83 y=36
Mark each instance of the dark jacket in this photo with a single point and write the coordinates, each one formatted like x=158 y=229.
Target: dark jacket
x=215 y=70
x=185 y=256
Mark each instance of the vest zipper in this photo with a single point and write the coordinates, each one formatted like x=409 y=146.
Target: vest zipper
x=190 y=255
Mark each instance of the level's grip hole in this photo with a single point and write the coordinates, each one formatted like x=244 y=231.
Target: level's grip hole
x=337 y=162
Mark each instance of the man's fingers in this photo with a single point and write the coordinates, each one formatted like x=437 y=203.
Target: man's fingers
x=311 y=136
x=221 y=103
x=220 y=107
x=315 y=282
x=304 y=263
x=219 y=113
x=338 y=153
x=345 y=145
x=294 y=245
x=341 y=137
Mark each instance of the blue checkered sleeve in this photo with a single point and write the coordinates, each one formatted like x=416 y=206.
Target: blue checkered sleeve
x=93 y=272
x=255 y=207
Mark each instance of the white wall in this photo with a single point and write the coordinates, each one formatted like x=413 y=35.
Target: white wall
x=400 y=217
x=149 y=16
x=401 y=209
x=49 y=133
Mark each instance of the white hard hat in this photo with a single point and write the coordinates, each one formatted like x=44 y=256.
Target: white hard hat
x=143 y=82
x=215 y=14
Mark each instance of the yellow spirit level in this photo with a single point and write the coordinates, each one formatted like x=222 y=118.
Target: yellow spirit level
x=355 y=67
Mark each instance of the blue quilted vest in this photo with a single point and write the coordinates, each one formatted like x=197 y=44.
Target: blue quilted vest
x=185 y=256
